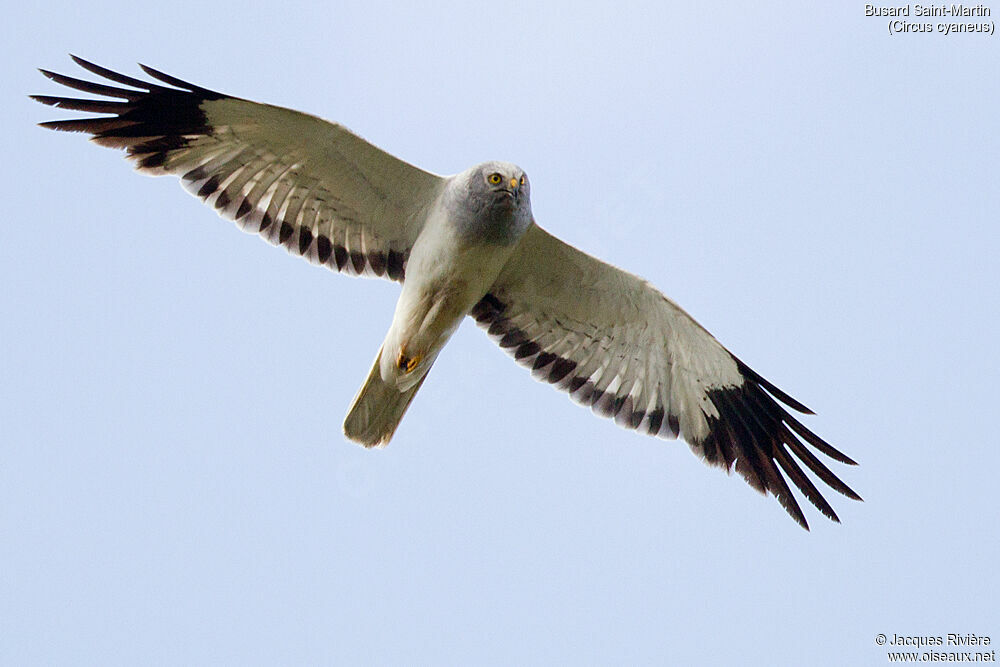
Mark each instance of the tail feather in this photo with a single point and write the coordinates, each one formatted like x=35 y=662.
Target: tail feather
x=377 y=409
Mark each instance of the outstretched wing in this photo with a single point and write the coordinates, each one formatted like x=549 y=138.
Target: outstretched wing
x=298 y=181
x=617 y=344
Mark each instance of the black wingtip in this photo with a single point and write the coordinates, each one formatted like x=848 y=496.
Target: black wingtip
x=78 y=104
x=765 y=440
x=751 y=374
x=795 y=512
x=166 y=78
x=112 y=75
x=86 y=64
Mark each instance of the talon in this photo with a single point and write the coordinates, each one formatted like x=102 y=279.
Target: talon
x=405 y=363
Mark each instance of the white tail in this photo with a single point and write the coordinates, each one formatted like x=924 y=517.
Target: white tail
x=377 y=409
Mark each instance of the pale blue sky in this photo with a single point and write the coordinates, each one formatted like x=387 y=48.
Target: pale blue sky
x=174 y=485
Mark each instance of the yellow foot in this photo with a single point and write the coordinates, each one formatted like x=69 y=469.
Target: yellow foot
x=406 y=363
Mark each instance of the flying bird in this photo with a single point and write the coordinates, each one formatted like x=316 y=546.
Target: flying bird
x=462 y=245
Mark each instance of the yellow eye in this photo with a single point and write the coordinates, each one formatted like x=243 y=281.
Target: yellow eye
x=494 y=179
x=522 y=180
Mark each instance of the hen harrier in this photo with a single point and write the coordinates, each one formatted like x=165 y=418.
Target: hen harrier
x=460 y=245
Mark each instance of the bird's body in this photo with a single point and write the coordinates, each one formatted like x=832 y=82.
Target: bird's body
x=479 y=231
x=460 y=245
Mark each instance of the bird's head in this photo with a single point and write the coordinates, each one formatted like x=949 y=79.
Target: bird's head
x=496 y=197
x=506 y=183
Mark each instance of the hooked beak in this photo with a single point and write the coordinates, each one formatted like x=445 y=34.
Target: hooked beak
x=513 y=189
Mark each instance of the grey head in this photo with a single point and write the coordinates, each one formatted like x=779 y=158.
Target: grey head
x=490 y=203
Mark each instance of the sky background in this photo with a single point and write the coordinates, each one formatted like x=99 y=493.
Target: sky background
x=822 y=196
